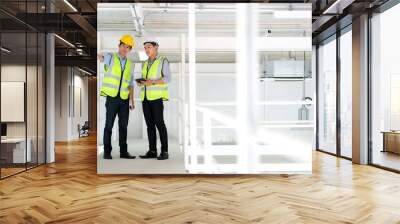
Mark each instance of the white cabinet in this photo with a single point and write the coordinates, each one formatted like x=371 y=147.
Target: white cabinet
x=19 y=155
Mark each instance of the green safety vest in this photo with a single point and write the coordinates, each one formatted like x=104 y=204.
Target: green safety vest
x=112 y=78
x=156 y=91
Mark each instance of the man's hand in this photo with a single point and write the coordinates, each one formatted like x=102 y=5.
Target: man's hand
x=140 y=83
x=131 y=101
x=132 y=105
x=148 y=82
x=100 y=57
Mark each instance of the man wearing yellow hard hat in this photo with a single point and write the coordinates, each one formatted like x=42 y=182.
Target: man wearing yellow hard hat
x=117 y=87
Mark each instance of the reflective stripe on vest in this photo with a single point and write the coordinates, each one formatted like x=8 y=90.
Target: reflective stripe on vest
x=113 y=86
x=157 y=91
x=112 y=78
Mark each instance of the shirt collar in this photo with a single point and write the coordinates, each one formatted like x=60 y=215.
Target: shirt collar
x=120 y=56
x=154 y=58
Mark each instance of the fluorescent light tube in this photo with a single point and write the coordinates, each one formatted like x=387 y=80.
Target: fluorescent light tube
x=70 y=5
x=338 y=6
x=84 y=71
x=292 y=14
x=5 y=50
x=64 y=40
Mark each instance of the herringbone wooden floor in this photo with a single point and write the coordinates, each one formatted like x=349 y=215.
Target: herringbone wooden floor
x=70 y=191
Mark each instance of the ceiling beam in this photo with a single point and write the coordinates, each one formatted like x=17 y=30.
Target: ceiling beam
x=81 y=61
x=86 y=27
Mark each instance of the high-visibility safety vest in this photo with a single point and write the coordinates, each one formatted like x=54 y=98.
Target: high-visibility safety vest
x=156 y=91
x=116 y=79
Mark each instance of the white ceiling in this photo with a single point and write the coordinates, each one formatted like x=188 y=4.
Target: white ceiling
x=212 y=19
x=215 y=25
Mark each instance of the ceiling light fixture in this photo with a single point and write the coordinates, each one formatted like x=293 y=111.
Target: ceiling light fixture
x=70 y=5
x=64 y=40
x=136 y=21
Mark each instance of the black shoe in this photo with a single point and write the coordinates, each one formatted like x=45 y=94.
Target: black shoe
x=107 y=156
x=163 y=156
x=149 y=155
x=126 y=155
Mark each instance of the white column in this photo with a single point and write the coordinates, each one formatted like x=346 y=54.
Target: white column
x=314 y=97
x=181 y=93
x=192 y=84
x=50 y=92
x=246 y=85
x=50 y=99
x=100 y=124
x=360 y=90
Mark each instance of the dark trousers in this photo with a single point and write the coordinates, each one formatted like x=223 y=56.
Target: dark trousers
x=116 y=106
x=154 y=116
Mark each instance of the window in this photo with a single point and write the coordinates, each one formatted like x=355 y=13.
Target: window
x=385 y=89
x=346 y=93
x=327 y=96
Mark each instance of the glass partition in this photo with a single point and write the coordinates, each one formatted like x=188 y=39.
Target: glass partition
x=14 y=153
x=22 y=89
x=35 y=86
x=31 y=97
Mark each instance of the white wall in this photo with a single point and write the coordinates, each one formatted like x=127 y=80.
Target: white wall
x=216 y=82
x=109 y=42
x=68 y=82
x=33 y=126
x=61 y=103
x=79 y=117
x=12 y=73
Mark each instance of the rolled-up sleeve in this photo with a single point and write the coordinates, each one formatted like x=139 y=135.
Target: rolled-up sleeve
x=166 y=71
x=107 y=59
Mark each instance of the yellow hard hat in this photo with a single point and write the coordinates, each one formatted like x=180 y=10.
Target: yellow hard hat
x=128 y=40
